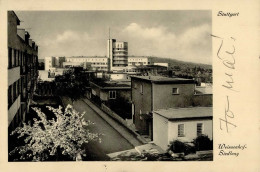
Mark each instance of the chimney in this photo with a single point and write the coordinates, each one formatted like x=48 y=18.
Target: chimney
x=30 y=42
x=27 y=36
x=21 y=33
x=33 y=45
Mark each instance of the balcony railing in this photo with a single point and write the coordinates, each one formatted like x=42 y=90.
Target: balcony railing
x=119 y=62
x=118 y=58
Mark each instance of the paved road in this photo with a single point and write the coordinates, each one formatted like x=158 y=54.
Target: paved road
x=112 y=141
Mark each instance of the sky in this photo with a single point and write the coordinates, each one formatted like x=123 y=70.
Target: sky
x=181 y=35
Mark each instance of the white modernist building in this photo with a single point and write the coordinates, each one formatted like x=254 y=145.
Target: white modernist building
x=99 y=63
x=139 y=60
x=117 y=53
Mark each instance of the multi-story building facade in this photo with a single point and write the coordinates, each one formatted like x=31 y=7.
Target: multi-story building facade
x=49 y=63
x=96 y=63
x=117 y=52
x=22 y=71
x=139 y=60
x=151 y=93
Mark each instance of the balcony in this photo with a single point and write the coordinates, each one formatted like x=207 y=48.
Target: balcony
x=121 y=54
x=120 y=58
x=119 y=62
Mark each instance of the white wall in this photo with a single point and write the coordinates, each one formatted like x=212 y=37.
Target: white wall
x=13 y=75
x=190 y=129
x=13 y=109
x=47 y=63
x=160 y=131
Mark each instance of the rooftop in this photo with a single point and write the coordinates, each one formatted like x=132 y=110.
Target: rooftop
x=203 y=90
x=112 y=84
x=162 y=79
x=87 y=57
x=185 y=113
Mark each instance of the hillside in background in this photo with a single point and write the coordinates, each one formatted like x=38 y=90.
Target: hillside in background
x=181 y=64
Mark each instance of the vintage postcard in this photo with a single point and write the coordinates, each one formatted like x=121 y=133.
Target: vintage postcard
x=130 y=86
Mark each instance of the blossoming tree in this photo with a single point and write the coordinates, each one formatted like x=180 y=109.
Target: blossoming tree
x=65 y=134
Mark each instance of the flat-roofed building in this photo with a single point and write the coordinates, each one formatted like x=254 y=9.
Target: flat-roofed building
x=150 y=93
x=97 y=63
x=183 y=124
x=139 y=60
x=22 y=71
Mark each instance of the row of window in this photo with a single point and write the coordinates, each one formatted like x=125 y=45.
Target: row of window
x=99 y=63
x=181 y=129
x=13 y=92
x=84 y=60
x=18 y=58
x=136 y=62
x=15 y=58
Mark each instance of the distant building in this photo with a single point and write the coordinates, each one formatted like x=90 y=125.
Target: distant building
x=117 y=53
x=150 y=93
x=111 y=90
x=139 y=60
x=96 y=63
x=203 y=95
x=183 y=124
x=162 y=64
x=116 y=76
x=22 y=71
x=59 y=61
x=49 y=63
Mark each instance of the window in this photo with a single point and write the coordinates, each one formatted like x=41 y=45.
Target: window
x=175 y=91
x=13 y=58
x=199 y=129
x=9 y=57
x=181 y=130
x=141 y=89
x=10 y=98
x=14 y=92
x=112 y=94
x=18 y=58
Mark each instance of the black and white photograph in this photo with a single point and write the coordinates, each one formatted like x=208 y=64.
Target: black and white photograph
x=110 y=85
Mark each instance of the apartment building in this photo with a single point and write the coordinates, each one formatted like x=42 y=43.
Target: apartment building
x=96 y=63
x=151 y=93
x=139 y=60
x=117 y=52
x=49 y=63
x=22 y=71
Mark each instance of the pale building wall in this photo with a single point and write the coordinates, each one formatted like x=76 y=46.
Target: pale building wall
x=190 y=130
x=13 y=75
x=48 y=63
x=165 y=131
x=14 y=109
x=160 y=131
x=137 y=61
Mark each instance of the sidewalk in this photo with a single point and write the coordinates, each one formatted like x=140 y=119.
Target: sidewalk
x=128 y=135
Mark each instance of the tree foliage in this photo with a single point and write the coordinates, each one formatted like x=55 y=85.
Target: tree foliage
x=71 y=84
x=65 y=134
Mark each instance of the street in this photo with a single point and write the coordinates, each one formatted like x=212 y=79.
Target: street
x=112 y=141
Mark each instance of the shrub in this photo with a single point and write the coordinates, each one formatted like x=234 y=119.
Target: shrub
x=203 y=142
x=180 y=147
